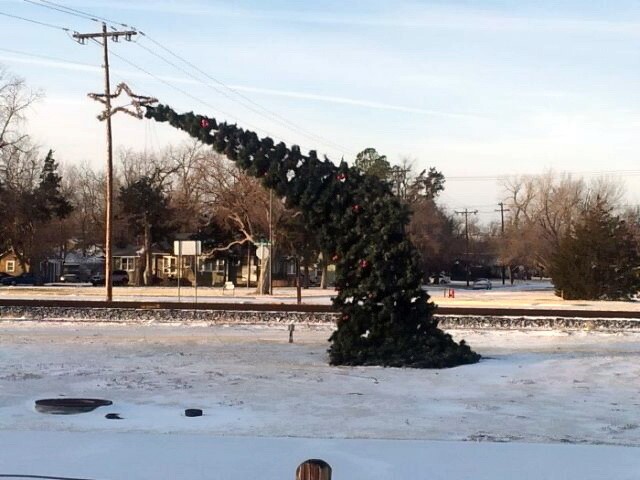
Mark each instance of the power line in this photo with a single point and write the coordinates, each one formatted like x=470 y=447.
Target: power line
x=184 y=92
x=501 y=177
x=253 y=105
x=259 y=110
x=37 y=22
x=84 y=17
x=96 y=18
x=47 y=57
x=274 y=115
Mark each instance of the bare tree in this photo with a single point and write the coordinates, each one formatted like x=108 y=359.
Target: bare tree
x=86 y=189
x=241 y=205
x=15 y=99
x=542 y=209
x=187 y=199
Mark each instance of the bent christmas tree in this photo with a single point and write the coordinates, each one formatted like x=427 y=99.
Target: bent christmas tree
x=385 y=316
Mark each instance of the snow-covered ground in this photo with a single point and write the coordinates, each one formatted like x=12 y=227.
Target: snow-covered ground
x=269 y=404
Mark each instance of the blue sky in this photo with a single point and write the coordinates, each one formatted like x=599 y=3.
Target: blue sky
x=474 y=88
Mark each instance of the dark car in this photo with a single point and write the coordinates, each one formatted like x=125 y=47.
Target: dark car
x=118 y=277
x=22 y=279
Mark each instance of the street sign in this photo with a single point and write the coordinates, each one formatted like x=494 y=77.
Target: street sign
x=262 y=252
x=187 y=247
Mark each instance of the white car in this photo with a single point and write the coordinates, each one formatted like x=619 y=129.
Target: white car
x=482 y=284
x=440 y=279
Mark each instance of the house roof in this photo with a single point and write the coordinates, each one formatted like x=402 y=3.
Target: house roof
x=6 y=253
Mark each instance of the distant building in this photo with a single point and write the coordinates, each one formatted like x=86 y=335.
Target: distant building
x=9 y=263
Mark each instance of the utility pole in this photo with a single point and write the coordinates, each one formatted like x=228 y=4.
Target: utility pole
x=502 y=210
x=466 y=214
x=270 y=242
x=137 y=102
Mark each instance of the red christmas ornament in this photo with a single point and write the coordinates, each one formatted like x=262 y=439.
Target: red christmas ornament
x=335 y=258
x=341 y=177
x=345 y=317
x=356 y=209
x=204 y=123
x=364 y=264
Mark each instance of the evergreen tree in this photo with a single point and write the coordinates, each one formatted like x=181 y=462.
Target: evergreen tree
x=28 y=210
x=49 y=201
x=599 y=260
x=147 y=208
x=386 y=318
x=370 y=162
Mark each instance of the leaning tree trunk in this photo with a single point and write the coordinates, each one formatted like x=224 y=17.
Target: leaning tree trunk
x=325 y=271
x=306 y=274
x=265 y=276
x=147 y=254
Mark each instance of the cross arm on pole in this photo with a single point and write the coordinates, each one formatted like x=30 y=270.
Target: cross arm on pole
x=127 y=34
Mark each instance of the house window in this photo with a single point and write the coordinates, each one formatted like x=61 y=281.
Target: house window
x=218 y=265
x=128 y=263
x=11 y=266
x=205 y=265
x=169 y=265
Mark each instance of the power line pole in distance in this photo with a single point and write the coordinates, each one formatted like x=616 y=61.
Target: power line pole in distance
x=137 y=102
x=502 y=210
x=466 y=213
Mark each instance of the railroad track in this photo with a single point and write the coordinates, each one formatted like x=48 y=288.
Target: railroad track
x=310 y=308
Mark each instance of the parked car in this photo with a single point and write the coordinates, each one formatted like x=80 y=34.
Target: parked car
x=440 y=279
x=4 y=275
x=482 y=284
x=22 y=279
x=118 y=277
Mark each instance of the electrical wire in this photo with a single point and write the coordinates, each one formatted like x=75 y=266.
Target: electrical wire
x=44 y=24
x=501 y=177
x=96 y=18
x=264 y=110
x=218 y=90
x=83 y=16
x=46 y=57
x=247 y=102
x=184 y=92
x=44 y=477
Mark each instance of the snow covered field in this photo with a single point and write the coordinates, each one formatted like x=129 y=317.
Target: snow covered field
x=270 y=405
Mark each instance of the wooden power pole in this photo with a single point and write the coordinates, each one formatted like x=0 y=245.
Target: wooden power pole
x=137 y=102
x=466 y=214
x=502 y=210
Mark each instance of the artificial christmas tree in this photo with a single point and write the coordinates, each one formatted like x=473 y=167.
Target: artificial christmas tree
x=386 y=316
